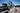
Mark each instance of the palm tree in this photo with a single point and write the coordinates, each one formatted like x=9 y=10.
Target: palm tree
x=4 y=5
x=11 y=4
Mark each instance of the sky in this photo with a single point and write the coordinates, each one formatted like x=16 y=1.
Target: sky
x=15 y=2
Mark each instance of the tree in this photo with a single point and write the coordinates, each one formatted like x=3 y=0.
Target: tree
x=10 y=4
x=4 y=5
x=17 y=6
